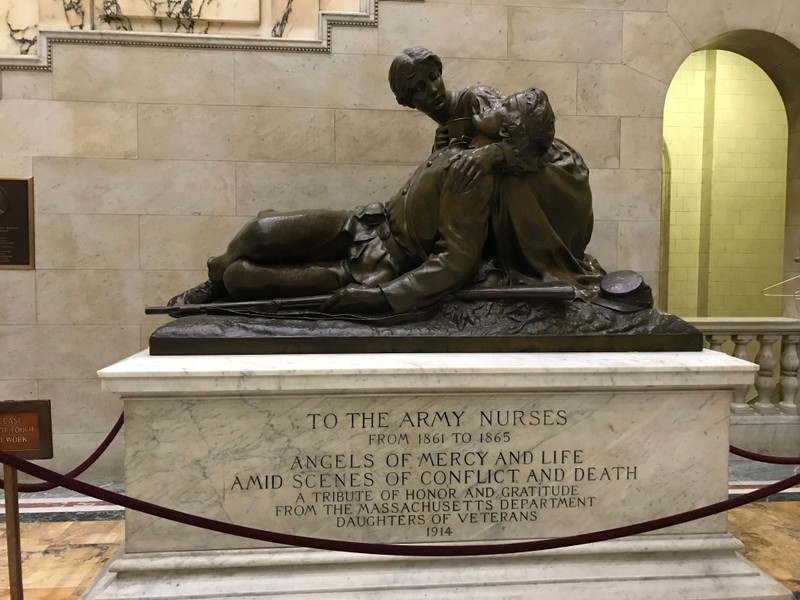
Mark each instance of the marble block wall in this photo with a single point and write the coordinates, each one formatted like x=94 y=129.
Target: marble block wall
x=147 y=159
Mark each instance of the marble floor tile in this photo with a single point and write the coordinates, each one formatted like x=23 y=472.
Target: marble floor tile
x=771 y=535
x=40 y=538
x=45 y=593
x=60 y=560
x=98 y=532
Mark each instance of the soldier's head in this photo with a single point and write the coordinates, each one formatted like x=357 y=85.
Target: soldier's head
x=524 y=119
x=415 y=77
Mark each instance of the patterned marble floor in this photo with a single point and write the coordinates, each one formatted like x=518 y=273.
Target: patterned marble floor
x=60 y=559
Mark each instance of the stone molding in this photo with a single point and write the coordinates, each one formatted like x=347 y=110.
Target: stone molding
x=43 y=61
x=674 y=566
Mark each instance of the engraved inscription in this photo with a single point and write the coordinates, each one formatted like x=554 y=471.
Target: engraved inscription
x=19 y=432
x=450 y=473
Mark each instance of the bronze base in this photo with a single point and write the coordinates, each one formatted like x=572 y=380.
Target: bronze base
x=457 y=327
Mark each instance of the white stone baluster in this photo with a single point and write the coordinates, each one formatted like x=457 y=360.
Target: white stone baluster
x=715 y=341
x=789 y=365
x=739 y=405
x=765 y=381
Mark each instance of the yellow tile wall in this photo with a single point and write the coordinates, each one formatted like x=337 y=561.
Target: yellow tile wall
x=748 y=190
x=683 y=134
x=744 y=140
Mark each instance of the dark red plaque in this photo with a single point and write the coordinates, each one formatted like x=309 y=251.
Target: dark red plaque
x=26 y=429
x=16 y=223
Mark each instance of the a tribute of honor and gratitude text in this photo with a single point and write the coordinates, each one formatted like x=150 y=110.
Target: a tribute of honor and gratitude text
x=447 y=470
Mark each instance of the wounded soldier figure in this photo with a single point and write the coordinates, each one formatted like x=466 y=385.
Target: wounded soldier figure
x=430 y=238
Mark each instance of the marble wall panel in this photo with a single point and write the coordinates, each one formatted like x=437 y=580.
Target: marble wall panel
x=617 y=90
x=87 y=241
x=128 y=187
x=654 y=45
x=354 y=40
x=563 y=35
x=604 y=244
x=19 y=27
x=299 y=26
x=80 y=406
x=19 y=389
x=64 y=351
x=789 y=22
x=248 y=11
x=49 y=128
x=596 y=138
x=185 y=242
x=64 y=14
x=295 y=19
x=639 y=245
x=509 y=76
x=283 y=186
x=138 y=74
x=701 y=21
x=641 y=141
x=626 y=194
x=235 y=133
x=16 y=166
x=96 y=297
x=389 y=137
x=27 y=85
x=108 y=18
x=316 y=80
x=646 y=5
x=339 y=5
x=17 y=297
x=451 y=29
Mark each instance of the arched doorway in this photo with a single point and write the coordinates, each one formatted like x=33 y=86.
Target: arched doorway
x=725 y=132
x=779 y=62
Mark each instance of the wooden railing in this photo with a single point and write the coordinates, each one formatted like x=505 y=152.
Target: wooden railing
x=755 y=339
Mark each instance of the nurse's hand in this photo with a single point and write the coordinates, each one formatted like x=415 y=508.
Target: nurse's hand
x=466 y=167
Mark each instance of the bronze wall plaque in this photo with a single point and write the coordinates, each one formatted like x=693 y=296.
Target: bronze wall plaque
x=26 y=429
x=16 y=223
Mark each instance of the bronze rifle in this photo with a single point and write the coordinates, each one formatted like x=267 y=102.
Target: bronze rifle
x=545 y=291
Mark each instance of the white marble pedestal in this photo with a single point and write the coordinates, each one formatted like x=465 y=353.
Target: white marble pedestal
x=429 y=448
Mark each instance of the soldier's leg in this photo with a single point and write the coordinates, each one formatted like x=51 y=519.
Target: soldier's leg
x=285 y=238
x=245 y=280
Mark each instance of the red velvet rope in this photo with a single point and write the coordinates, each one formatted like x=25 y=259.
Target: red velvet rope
x=775 y=460
x=77 y=471
x=389 y=549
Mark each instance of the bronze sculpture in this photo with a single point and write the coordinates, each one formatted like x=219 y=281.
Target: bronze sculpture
x=542 y=217
x=426 y=242
x=478 y=251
